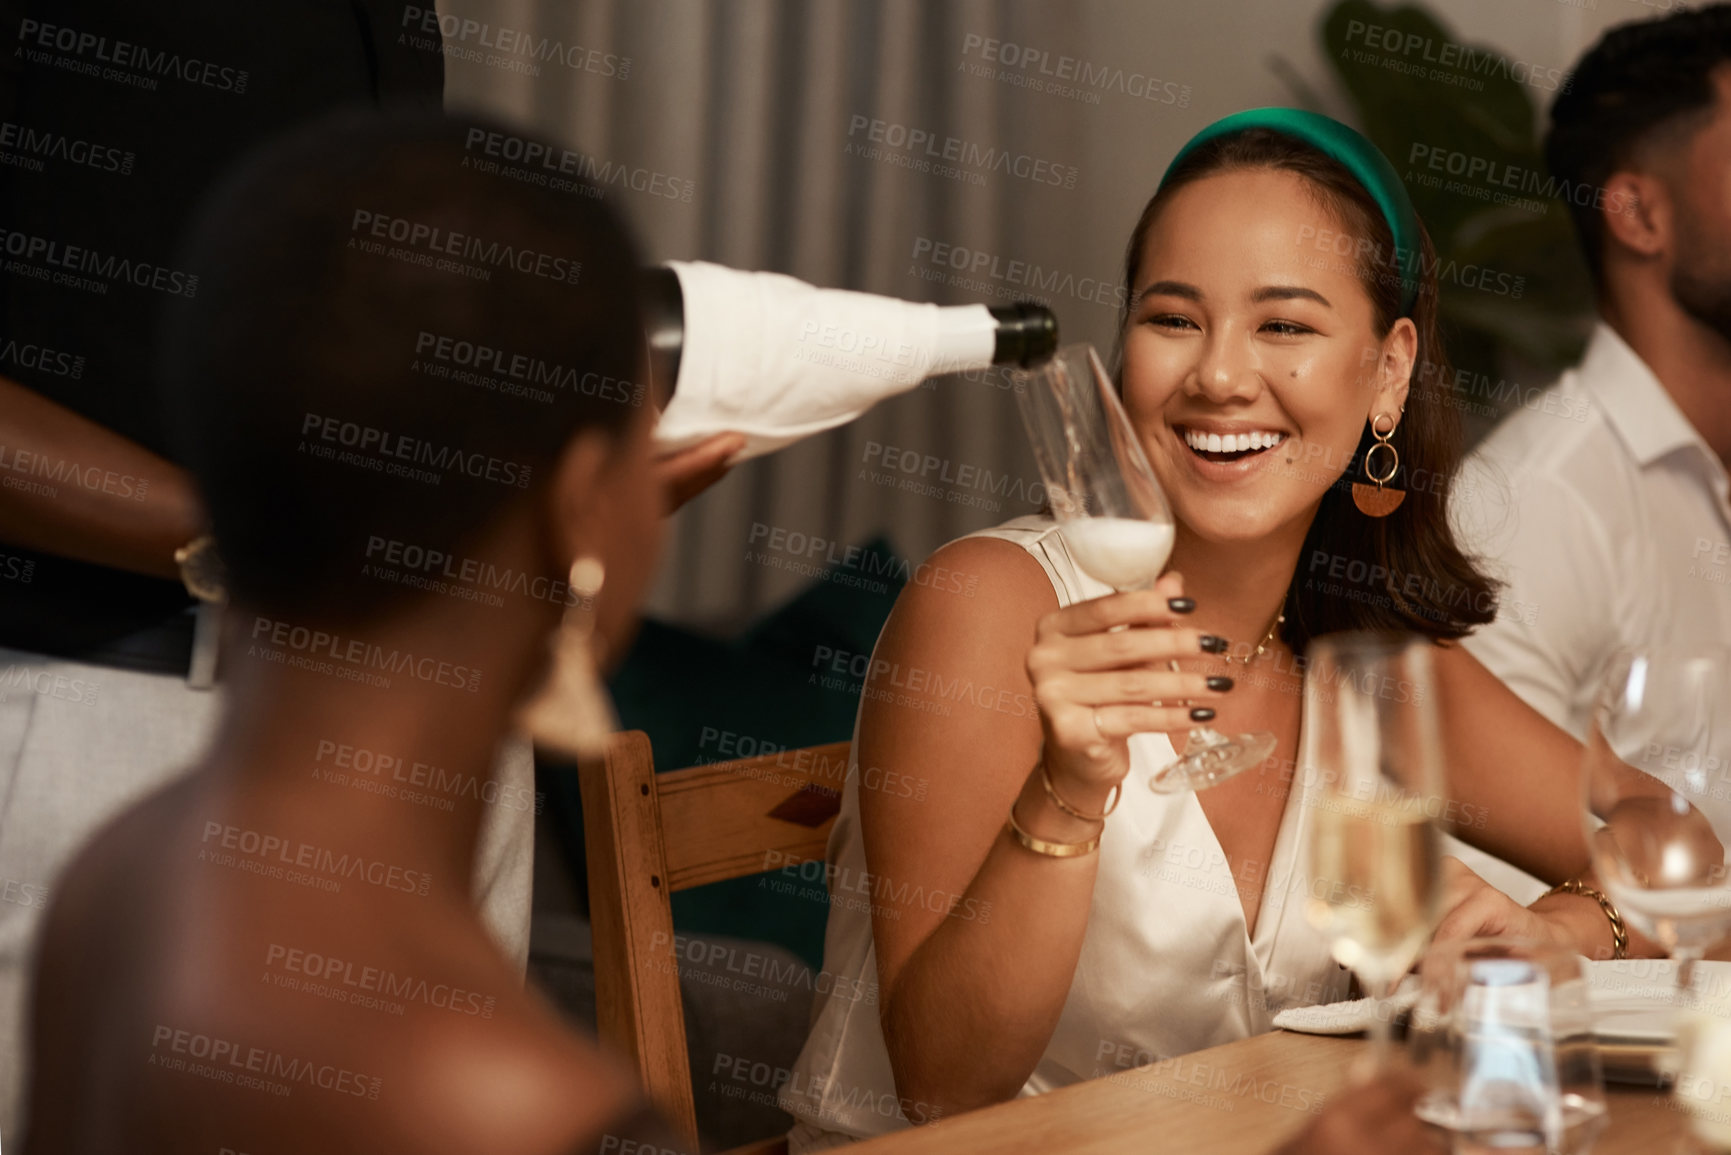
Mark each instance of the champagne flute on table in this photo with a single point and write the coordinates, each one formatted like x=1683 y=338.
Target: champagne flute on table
x=1115 y=519
x=1656 y=789
x=1375 y=854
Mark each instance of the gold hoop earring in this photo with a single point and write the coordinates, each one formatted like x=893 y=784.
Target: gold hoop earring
x=1378 y=501
x=572 y=714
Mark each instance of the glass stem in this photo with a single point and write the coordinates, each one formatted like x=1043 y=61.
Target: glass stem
x=1202 y=738
x=1378 y=1056
x=1686 y=958
x=1382 y=1031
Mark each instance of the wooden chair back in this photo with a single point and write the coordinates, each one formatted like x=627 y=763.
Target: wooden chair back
x=649 y=835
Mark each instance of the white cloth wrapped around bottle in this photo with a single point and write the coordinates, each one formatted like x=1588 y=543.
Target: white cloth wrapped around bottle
x=777 y=359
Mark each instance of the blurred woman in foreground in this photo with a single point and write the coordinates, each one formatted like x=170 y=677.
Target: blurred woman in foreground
x=279 y=952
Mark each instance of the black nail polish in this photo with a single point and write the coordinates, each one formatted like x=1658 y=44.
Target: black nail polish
x=1219 y=682
x=1202 y=714
x=1181 y=605
x=1214 y=645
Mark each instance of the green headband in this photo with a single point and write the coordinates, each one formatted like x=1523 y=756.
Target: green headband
x=1362 y=158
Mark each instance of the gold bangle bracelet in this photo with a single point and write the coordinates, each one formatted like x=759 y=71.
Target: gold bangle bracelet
x=1619 y=933
x=1050 y=849
x=1052 y=793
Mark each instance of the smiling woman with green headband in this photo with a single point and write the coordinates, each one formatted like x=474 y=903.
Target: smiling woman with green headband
x=1281 y=300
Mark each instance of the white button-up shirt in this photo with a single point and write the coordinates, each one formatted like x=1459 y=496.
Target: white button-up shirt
x=1607 y=516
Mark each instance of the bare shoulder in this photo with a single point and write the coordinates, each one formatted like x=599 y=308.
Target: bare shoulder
x=370 y=1024
x=959 y=639
x=1467 y=679
x=976 y=586
x=114 y=877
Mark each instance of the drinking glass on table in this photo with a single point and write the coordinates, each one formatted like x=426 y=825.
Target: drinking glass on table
x=1503 y=1037
x=1656 y=789
x=1115 y=520
x=1375 y=855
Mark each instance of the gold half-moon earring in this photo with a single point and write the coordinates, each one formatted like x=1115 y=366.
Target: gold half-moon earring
x=1378 y=501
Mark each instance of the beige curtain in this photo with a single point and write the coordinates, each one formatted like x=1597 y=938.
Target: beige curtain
x=752 y=101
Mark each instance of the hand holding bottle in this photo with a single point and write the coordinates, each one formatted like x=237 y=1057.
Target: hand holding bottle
x=685 y=473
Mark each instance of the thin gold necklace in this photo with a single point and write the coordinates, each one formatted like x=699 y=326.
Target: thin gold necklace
x=1261 y=647
x=1267 y=637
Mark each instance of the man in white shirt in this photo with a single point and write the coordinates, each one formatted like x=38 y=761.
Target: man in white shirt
x=1605 y=509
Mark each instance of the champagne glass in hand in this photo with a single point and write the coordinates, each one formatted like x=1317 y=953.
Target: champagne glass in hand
x=1116 y=521
x=1375 y=856
x=1657 y=808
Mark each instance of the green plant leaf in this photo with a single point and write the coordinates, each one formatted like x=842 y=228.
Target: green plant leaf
x=1460 y=123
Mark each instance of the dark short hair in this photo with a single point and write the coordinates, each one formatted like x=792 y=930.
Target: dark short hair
x=394 y=336
x=1640 y=78
x=1404 y=571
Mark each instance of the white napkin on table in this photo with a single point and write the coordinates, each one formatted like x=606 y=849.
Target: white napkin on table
x=1633 y=999
x=1346 y=1018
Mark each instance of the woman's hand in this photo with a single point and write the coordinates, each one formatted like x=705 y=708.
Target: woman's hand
x=1476 y=909
x=1096 y=685
x=1473 y=908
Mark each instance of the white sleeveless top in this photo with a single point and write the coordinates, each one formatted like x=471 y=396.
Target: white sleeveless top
x=1167 y=965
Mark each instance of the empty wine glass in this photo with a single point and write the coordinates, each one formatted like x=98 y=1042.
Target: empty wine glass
x=1503 y=1036
x=1115 y=520
x=1657 y=796
x=1375 y=853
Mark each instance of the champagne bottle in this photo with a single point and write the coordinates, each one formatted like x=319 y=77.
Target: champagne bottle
x=777 y=359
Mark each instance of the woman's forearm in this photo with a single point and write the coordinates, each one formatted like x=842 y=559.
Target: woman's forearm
x=974 y=1007
x=116 y=503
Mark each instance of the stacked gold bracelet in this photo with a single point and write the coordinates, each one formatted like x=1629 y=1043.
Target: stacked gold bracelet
x=1052 y=793
x=1050 y=849
x=1619 y=933
x=1063 y=849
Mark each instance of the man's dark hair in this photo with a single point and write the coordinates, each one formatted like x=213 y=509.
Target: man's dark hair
x=394 y=335
x=1640 y=78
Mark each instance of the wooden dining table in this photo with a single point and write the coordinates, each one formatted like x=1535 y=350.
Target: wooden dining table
x=1243 y=1098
